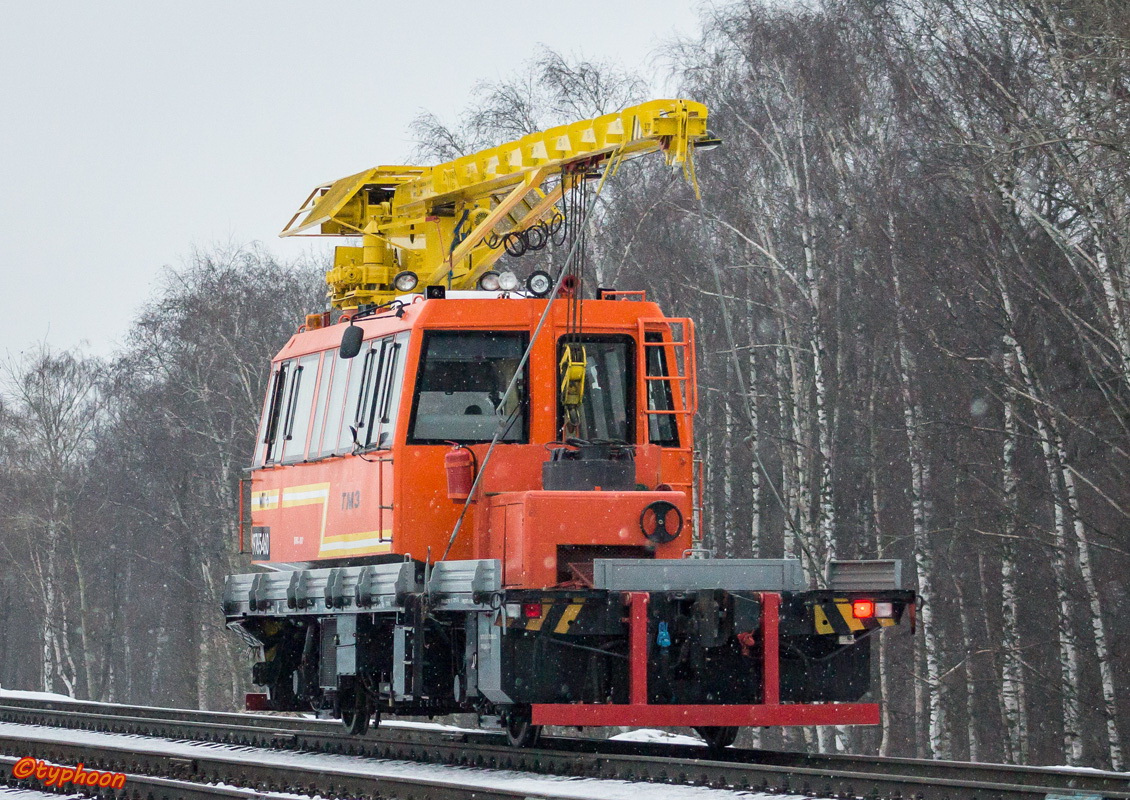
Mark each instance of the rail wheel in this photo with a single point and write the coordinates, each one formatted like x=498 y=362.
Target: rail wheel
x=356 y=709
x=520 y=731
x=718 y=737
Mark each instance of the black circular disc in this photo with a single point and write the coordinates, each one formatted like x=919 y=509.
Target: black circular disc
x=539 y=283
x=661 y=530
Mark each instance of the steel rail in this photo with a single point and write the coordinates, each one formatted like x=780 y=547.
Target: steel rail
x=159 y=774
x=146 y=786
x=655 y=762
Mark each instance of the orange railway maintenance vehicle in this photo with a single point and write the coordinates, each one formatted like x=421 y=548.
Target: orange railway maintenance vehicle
x=475 y=494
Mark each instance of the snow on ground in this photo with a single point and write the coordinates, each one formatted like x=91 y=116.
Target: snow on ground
x=253 y=794
x=18 y=695
x=1093 y=770
x=641 y=735
x=660 y=737
x=525 y=782
x=424 y=726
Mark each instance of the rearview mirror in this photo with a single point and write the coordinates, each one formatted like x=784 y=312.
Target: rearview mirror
x=351 y=341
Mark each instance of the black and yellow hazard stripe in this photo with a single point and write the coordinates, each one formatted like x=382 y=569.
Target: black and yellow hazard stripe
x=555 y=617
x=835 y=617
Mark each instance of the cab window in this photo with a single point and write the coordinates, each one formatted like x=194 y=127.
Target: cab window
x=661 y=428
x=268 y=424
x=331 y=365
x=459 y=392
x=608 y=407
x=335 y=406
x=363 y=397
x=378 y=396
x=287 y=411
x=296 y=423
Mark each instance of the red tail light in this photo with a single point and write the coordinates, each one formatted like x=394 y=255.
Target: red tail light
x=531 y=610
x=863 y=609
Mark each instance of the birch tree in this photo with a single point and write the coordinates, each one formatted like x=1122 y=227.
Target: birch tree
x=53 y=399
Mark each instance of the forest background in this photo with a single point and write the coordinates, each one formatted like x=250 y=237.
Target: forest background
x=910 y=270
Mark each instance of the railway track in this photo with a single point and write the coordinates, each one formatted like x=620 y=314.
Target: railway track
x=154 y=788
x=806 y=774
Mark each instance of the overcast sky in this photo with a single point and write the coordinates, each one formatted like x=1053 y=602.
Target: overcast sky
x=133 y=132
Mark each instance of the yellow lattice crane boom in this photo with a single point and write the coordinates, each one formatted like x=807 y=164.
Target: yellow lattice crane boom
x=443 y=224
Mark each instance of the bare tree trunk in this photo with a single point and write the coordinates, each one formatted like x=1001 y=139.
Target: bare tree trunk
x=1012 y=676
x=710 y=498
x=827 y=507
x=1094 y=602
x=788 y=453
x=50 y=611
x=928 y=689
x=89 y=655
x=755 y=479
x=58 y=664
x=877 y=532
x=755 y=469
x=971 y=715
x=1069 y=651
x=728 y=525
x=204 y=672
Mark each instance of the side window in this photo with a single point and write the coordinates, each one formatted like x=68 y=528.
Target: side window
x=380 y=393
x=296 y=424
x=335 y=404
x=359 y=373
x=661 y=428
x=460 y=388
x=331 y=364
x=275 y=419
x=366 y=400
x=267 y=422
x=608 y=411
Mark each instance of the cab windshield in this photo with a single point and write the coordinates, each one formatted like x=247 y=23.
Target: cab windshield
x=461 y=387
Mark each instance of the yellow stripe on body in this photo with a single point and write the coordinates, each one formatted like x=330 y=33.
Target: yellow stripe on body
x=308 y=495
x=382 y=536
x=849 y=618
x=535 y=624
x=567 y=617
x=266 y=500
x=357 y=543
x=358 y=549
x=822 y=623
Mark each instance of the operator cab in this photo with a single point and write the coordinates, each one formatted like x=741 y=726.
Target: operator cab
x=349 y=466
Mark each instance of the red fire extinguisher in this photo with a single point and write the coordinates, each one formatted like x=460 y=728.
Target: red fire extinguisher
x=460 y=465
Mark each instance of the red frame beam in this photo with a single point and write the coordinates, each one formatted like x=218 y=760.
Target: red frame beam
x=637 y=648
x=770 y=712
x=770 y=648
x=671 y=716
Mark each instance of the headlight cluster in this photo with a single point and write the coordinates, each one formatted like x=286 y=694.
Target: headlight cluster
x=538 y=284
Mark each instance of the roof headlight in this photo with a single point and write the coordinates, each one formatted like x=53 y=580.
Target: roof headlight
x=489 y=282
x=508 y=281
x=405 y=281
x=539 y=283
